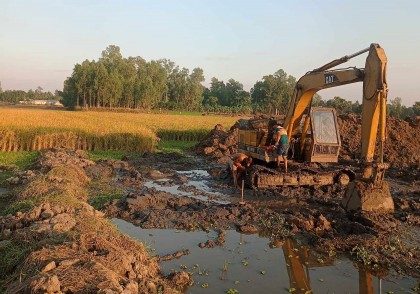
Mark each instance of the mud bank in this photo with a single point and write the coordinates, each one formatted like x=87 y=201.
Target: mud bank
x=315 y=215
x=53 y=241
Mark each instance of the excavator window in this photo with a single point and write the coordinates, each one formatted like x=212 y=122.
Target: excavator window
x=324 y=127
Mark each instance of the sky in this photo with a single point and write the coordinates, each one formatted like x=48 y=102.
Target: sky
x=42 y=40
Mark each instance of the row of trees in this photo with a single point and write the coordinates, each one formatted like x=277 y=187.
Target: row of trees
x=117 y=82
x=114 y=81
x=14 y=96
x=394 y=107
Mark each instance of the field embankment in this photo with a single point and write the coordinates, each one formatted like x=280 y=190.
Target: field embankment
x=53 y=241
x=38 y=129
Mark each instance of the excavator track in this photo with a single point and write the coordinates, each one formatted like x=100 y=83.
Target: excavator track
x=261 y=177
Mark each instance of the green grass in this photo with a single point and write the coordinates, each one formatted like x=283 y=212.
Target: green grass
x=191 y=113
x=23 y=205
x=111 y=154
x=11 y=255
x=176 y=146
x=99 y=201
x=20 y=159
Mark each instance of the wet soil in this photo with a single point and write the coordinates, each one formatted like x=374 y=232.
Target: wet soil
x=53 y=241
x=183 y=192
x=315 y=215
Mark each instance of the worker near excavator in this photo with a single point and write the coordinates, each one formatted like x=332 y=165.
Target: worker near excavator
x=238 y=163
x=282 y=145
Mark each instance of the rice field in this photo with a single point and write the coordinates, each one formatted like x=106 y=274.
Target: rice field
x=23 y=129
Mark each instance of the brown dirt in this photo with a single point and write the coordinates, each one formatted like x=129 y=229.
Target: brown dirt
x=401 y=145
x=73 y=249
x=85 y=245
x=219 y=144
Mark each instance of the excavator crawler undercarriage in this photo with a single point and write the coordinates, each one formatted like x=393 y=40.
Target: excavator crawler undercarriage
x=261 y=177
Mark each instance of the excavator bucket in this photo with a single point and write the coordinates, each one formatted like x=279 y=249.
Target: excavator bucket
x=361 y=195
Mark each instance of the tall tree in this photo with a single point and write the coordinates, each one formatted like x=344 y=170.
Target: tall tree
x=274 y=92
x=395 y=109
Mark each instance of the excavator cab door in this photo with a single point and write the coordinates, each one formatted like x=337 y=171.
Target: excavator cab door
x=325 y=144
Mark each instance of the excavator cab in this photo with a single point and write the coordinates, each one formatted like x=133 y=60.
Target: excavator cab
x=324 y=144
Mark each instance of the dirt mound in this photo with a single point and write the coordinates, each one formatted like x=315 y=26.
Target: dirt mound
x=219 y=144
x=401 y=144
x=56 y=157
x=61 y=244
x=401 y=149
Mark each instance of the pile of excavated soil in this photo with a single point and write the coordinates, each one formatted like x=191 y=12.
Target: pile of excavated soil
x=63 y=245
x=401 y=149
x=219 y=144
x=401 y=144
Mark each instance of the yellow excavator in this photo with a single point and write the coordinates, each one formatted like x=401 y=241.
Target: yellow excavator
x=316 y=137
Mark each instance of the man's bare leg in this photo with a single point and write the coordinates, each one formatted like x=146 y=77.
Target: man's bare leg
x=235 y=178
x=278 y=161
x=285 y=164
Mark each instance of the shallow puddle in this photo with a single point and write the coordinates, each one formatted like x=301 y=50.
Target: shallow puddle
x=249 y=264
x=198 y=181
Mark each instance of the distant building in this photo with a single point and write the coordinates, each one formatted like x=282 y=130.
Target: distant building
x=42 y=102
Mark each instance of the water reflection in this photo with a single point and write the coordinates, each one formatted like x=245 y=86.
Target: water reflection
x=299 y=260
x=250 y=264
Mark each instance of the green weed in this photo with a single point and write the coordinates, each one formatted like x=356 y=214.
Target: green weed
x=112 y=154
x=99 y=201
x=22 y=205
x=20 y=159
x=11 y=254
x=176 y=146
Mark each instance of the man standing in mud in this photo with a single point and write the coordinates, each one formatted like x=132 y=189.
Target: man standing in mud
x=282 y=145
x=238 y=163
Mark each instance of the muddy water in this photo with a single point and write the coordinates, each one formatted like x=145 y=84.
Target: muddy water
x=249 y=264
x=197 y=187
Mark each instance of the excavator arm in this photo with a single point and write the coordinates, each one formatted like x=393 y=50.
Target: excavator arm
x=311 y=83
x=371 y=192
